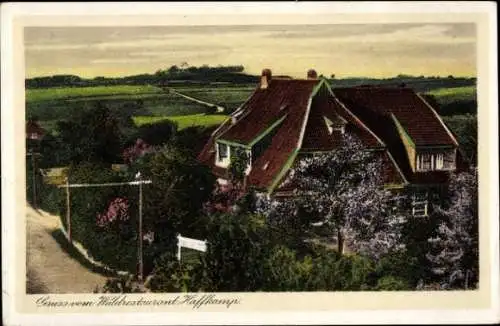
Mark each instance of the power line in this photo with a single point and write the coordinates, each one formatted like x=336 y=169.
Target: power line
x=109 y=184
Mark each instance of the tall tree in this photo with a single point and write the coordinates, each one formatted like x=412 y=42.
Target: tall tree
x=344 y=190
x=92 y=136
x=455 y=254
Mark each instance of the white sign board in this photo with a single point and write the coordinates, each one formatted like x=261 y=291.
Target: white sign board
x=194 y=244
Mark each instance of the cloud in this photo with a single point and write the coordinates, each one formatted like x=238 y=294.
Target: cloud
x=429 y=33
x=118 y=60
x=360 y=49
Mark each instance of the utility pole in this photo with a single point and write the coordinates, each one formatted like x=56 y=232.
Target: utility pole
x=139 y=250
x=68 y=212
x=33 y=175
x=138 y=182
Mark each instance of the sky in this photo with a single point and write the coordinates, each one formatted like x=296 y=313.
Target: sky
x=346 y=50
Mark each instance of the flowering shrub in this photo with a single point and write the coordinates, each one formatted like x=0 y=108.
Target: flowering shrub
x=139 y=149
x=117 y=211
x=223 y=200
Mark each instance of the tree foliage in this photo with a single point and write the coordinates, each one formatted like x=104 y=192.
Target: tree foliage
x=180 y=185
x=238 y=165
x=455 y=255
x=237 y=248
x=343 y=191
x=91 y=136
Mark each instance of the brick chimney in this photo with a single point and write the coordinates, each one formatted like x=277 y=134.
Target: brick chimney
x=312 y=74
x=265 y=78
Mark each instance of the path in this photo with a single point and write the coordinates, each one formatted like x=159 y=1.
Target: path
x=219 y=108
x=49 y=268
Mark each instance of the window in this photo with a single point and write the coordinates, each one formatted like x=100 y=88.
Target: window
x=424 y=162
x=338 y=125
x=223 y=150
x=439 y=161
x=434 y=161
x=420 y=204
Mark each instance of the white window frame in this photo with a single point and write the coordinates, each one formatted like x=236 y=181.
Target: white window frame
x=436 y=162
x=420 y=206
x=224 y=162
x=439 y=161
x=249 y=163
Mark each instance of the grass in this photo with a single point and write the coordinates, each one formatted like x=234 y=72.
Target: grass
x=184 y=121
x=454 y=94
x=59 y=93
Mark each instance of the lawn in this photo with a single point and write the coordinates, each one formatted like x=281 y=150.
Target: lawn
x=184 y=121
x=454 y=94
x=59 y=93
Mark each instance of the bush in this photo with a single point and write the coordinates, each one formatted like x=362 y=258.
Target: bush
x=158 y=133
x=171 y=275
x=115 y=243
x=391 y=283
x=236 y=252
x=123 y=284
x=285 y=272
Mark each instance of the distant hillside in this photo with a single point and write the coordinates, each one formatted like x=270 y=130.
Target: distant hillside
x=235 y=75
x=172 y=76
x=420 y=84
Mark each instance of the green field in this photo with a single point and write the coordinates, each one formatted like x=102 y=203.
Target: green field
x=60 y=93
x=228 y=97
x=52 y=104
x=184 y=121
x=454 y=94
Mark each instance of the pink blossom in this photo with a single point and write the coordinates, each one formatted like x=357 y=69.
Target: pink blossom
x=117 y=211
x=139 y=149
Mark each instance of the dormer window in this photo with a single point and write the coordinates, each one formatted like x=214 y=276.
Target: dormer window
x=223 y=155
x=436 y=161
x=338 y=125
x=223 y=152
x=439 y=161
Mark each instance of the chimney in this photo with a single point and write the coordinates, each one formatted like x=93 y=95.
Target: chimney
x=312 y=74
x=265 y=79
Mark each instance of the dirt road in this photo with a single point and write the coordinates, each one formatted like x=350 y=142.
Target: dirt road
x=49 y=268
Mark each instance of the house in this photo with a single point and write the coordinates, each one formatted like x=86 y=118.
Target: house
x=285 y=119
x=33 y=130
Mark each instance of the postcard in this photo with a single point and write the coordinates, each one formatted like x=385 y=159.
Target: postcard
x=249 y=163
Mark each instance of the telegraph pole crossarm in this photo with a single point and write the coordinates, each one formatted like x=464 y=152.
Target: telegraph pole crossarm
x=137 y=182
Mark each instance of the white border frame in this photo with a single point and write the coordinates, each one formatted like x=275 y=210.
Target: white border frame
x=66 y=12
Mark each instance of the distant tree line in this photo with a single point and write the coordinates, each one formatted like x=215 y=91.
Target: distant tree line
x=417 y=83
x=185 y=74
x=176 y=74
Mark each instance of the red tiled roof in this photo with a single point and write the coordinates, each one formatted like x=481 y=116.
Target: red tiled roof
x=317 y=137
x=33 y=127
x=268 y=105
x=372 y=104
x=366 y=110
